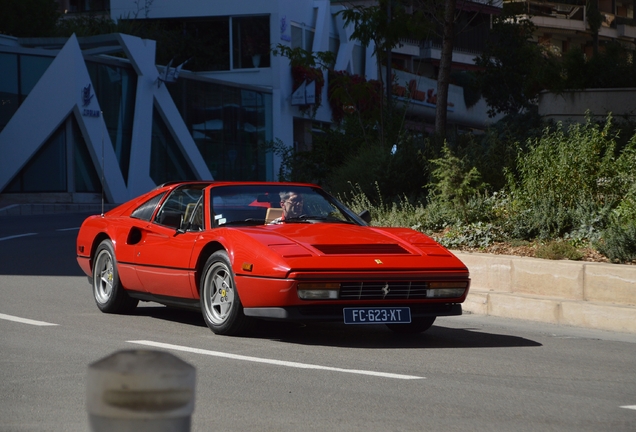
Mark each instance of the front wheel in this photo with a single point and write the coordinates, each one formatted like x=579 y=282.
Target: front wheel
x=220 y=303
x=109 y=294
x=417 y=325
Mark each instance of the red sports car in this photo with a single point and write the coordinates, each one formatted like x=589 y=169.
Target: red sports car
x=275 y=251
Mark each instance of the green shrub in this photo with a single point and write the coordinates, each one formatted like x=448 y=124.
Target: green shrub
x=558 y=250
x=618 y=243
x=438 y=216
x=397 y=214
x=455 y=182
x=476 y=235
x=564 y=172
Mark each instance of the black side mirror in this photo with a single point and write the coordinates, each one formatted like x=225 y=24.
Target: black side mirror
x=365 y=215
x=183 y=227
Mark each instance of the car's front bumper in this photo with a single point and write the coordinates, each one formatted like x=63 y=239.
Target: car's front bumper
x=335 y=312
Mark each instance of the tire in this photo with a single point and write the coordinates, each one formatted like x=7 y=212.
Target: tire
x=417 y=325
x=108 y=292
x=220 y=303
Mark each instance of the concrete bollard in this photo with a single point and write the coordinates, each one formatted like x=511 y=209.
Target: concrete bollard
x=140 y=391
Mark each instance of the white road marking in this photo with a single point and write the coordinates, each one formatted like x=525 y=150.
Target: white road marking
x=68 y=229
x=273 y=362
x=25 y=320
x=632 y=407
x=16 y=236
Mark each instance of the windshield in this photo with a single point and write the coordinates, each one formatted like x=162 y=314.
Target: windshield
x=276 y=204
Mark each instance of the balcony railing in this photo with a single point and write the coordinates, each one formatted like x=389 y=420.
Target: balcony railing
x=575 y=10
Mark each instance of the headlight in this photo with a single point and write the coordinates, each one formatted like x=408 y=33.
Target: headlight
x=318 y=291
x=446 y=289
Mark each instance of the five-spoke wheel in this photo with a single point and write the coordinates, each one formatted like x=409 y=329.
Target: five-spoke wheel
x=109 y=295
x=220 y=302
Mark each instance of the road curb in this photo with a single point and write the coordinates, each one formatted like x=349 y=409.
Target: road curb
x=591 y=295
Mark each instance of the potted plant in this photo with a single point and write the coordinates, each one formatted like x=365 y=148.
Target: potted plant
x=255 y=46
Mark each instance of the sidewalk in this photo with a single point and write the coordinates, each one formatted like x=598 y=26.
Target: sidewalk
x=39 y=209
x=582 y=294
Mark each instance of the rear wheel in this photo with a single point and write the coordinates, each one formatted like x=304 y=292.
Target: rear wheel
x=109 y=294
x=417 y=325
x=220 y=303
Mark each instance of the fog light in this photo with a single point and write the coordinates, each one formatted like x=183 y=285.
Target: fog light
x=445 y=293
x=318 y=291
x=446 y=289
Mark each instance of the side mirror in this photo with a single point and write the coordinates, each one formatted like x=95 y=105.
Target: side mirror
x=183 y=226
x=365 y=215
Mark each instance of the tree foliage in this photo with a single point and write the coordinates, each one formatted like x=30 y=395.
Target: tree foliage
x=515 y=69
x=372 y=25
x=579 y=72
x=28 y=18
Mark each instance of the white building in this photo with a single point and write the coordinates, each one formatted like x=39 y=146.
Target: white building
x=80 y=113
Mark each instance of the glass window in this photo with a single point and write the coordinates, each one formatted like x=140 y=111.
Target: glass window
x=302 y=37
x=196 y=222
x=309 y=40
x=205 y=41
x=167 y=162
x=334 y=46
x=31 y=70
x=297 y=37
x=115 y=88
x=146 y=210
x=249 y=204
x=8 y=73
x=230 y=127
x=46 y=171
x=9 y=100
x=180 y=205
x=358 y=60
x=250 y=41
x=85 y=176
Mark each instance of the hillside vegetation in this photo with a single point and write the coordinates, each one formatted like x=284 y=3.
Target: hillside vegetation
x=568 y=192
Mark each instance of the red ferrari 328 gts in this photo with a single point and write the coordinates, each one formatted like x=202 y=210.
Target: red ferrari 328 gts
x=240 y=252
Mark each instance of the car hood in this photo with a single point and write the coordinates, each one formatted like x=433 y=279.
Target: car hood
x=329 y=239
x=328 y=246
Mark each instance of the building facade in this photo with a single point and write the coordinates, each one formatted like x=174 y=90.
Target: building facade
x=565 y=24
x=74 y=121
x=82 y=115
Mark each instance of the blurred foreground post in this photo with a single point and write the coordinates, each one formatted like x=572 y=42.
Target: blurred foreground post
x=140 y=391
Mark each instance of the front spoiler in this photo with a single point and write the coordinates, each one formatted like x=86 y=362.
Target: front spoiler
x=335 y=313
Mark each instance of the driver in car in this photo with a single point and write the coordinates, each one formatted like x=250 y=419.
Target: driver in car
x=292 y=205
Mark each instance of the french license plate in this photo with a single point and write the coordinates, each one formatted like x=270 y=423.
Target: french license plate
x=379 y=315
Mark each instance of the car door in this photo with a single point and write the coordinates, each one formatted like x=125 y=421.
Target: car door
x=162 y=256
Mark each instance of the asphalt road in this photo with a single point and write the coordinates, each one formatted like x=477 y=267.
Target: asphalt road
x=467 y=373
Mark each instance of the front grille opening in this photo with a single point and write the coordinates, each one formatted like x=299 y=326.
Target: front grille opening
x=390 y=290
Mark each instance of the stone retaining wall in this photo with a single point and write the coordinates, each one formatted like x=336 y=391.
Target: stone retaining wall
x=583 y=294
